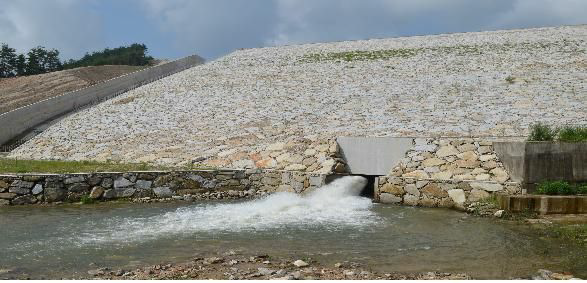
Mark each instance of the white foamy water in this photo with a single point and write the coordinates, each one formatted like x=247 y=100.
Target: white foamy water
x=337 y=204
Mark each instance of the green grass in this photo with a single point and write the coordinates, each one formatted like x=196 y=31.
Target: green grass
x=572 y=134
x=560 y=188
x=542 y=132
x=87 y=200
x=60 y=167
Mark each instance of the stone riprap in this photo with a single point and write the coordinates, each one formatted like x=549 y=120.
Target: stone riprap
x=151 y=186
x=441 y=172
x=282 y=107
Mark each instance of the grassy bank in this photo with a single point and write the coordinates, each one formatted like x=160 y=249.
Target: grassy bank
x=60 y=167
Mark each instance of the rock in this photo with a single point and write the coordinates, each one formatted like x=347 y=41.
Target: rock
x=499 y=213
x=265 y=271
x=109 y=194
x=469 y=155
x=434 y=190
x=107 y=183
x=411 y=200
x=24 y=200
x=213 y=260
x=412 y=189
x=560 y=276
x=484 y=149
x=417 y=174
x=544 y=274
x=478 y=171
x=96 y=272
x=4 y=202
x=421 y=184
x=163 y=192
x=96 y=192
x=37 y=189
x=3 y=184
x=457 y=196
x=296 y=275
x=482 y=177
x=486 y=186
x=7 y=195
x=487 y=157
x=467 y=163
x=300 y=263
x=389 y=198
x=467 y=147
x=446 y=175
x=276 y=146
x=122 y=182
x=340 y=168
x=432 y=162
x=73 y=180
x=19 y=190
x=392 y=189
x=79 y=188
x=447 y=150
x=143 y=185
x=425 y=148
x=54 y=194
x=489 y=164
x=295 y=167
x=476 y=195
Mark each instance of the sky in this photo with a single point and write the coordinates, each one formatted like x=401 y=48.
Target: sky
x=212 y=28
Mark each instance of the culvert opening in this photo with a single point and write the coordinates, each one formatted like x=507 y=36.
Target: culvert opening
x=367 y=191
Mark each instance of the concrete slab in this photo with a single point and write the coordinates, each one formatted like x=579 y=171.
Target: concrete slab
x=373 y=155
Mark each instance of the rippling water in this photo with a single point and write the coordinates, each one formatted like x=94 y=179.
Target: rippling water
x=331 y=224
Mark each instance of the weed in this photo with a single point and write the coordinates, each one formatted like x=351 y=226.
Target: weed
x=542 y=132
x=573 y=134
x=560 y=188
x=510 y=80
x=87 y=200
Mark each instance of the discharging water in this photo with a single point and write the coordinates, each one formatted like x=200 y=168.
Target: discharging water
x=332 y=224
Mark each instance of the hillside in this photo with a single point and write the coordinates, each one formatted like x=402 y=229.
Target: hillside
x=21 y=91
x=280 y=107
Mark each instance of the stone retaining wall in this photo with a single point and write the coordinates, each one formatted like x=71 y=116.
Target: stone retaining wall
x=186 y=185
x=439 y=193
x=446 y=172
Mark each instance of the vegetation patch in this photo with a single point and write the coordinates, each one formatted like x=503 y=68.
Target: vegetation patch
x=62 y=167
x=543 y=132
x=560 y=188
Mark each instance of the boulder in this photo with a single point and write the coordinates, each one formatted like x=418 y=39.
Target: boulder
x=433 y=190
x=420 y=174
x=122 y=182
x=457 y=196
x=412 y=189
x=411 y=200
x=163 y=192
x=389 y=198
x=432 y=162
x=476 y=195
x=96 y=192
x=392 y=189
x=54 y=194
x=487 y=186
x=447 y=150
x=7 y=195
x=73 y=180
x=143 y=185
x=37 y=189
x=109 y=194
x=19 y=190
x=446 y=175
x=467 y=163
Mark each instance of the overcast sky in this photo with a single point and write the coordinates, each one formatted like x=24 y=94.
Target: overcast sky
x=212 y=28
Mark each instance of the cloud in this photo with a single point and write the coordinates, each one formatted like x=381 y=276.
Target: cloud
x=213 y=27
x=66 y=25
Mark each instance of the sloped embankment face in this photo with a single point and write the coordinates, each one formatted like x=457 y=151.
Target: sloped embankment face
x=22 y=91
x=282 y=107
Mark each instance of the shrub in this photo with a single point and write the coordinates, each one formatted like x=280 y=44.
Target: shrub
x=560 y=188
x=542 y=132
x=573 y=134
x=87 y=200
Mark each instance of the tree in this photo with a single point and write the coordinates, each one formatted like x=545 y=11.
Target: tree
x=7 y=61
x=52 y=62
x=133 y=55
x=35 y=61
x=20 y=67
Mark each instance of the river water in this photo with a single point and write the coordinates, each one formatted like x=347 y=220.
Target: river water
x=332 y=224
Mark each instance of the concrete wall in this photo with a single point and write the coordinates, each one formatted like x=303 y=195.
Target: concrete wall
x=19 y=121
x=534 y=162
x=373 y=156
x=150 y=186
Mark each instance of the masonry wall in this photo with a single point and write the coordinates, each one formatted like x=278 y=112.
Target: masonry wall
x=438 y=172
x=182 y=185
